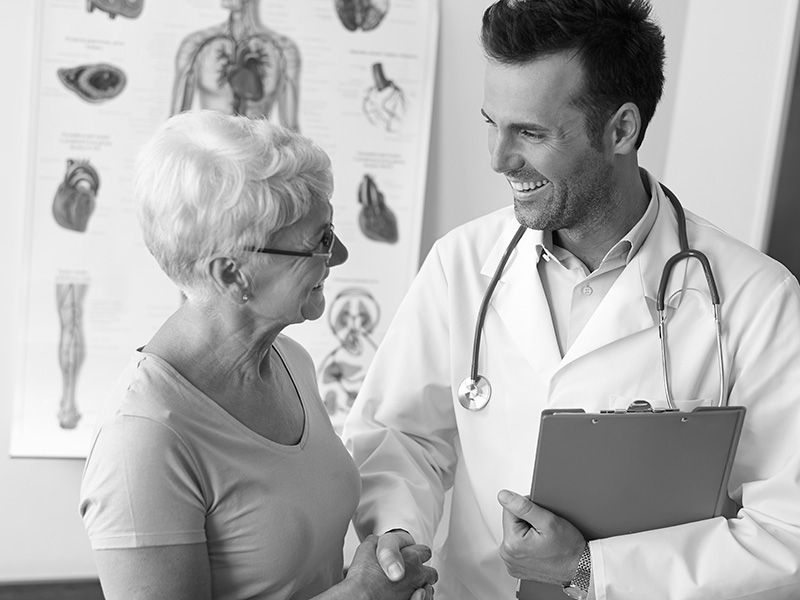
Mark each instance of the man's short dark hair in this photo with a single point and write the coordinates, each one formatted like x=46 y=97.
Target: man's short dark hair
x=620 y=48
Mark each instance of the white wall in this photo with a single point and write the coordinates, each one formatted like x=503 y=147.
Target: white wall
x=697 y=140
x=729 y=111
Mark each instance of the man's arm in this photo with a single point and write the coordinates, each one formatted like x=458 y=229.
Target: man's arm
x=756 y=555
x=401 y=429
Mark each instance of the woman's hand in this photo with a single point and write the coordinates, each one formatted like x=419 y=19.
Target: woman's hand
x=370 y=581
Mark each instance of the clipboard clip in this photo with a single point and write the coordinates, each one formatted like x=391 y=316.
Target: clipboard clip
x=638 y=406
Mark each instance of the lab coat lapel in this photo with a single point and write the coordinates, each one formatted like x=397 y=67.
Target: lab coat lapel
x=629 y=306
x=519 y=300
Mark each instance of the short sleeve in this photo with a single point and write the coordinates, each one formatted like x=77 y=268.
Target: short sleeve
x=140 y=487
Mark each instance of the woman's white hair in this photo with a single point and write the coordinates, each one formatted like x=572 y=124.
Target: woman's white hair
x=208 y=183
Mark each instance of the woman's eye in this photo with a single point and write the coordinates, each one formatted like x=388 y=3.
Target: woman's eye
x=327 y=238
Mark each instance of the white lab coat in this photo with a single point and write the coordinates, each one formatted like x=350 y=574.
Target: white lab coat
x=412 y=440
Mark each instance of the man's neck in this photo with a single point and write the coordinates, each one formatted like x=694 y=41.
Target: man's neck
x=594 y=238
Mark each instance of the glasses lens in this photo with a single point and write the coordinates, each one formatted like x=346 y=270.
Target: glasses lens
x=328 y=239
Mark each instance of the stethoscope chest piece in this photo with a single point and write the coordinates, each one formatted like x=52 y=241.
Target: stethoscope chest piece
x=474 y=394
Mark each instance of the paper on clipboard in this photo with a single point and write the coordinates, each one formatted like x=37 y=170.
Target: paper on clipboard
x=614 y=473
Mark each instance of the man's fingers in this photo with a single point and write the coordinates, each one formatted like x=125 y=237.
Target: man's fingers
x=519 y=506
x=389 y=555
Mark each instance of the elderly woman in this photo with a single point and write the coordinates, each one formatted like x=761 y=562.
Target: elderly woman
x=220 y=475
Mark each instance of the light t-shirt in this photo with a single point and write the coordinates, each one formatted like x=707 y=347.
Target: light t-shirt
x=173 y=467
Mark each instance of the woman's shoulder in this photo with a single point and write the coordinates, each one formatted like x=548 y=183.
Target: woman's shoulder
x=152 y=398
x=293 y=351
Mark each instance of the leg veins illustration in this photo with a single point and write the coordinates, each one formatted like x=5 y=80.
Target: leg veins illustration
x=71 y=348
x=239 y=67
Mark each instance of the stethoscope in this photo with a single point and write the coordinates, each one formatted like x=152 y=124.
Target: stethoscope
x=475 y=391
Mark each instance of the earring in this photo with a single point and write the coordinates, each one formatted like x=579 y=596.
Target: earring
x=245 y=297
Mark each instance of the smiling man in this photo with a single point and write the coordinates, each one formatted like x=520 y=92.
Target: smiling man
x=568 y=278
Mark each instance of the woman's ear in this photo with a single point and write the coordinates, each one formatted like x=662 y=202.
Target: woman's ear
x=625 y=125
x=228 y=278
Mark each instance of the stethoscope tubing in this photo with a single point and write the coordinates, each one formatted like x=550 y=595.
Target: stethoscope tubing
x=487 y=296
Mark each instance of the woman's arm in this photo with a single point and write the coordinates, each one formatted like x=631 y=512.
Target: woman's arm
x=179 y=572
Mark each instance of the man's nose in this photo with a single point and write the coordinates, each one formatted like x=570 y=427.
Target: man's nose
x=504 y=155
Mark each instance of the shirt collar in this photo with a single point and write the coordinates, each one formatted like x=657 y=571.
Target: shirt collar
x=625 y=249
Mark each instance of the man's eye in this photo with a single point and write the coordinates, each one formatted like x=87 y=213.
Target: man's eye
x=534 y=135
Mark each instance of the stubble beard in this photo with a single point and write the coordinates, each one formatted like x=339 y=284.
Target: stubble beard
x=569 y=203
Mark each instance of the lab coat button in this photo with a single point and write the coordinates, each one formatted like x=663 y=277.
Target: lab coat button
x=587 y=291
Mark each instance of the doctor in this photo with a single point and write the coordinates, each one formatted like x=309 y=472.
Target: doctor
x=570 y=88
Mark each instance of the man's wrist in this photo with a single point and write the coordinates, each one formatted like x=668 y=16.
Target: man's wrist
x=578 y=587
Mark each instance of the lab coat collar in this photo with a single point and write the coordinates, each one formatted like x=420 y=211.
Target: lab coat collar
x=519 y=299
x=628 y=308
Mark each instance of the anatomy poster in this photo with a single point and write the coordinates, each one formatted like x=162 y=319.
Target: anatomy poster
x=354 y=75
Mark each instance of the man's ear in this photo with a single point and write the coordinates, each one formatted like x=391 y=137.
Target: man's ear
x=227 y=277
x=624 y=126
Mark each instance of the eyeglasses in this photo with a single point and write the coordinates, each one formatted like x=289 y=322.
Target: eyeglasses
x=328 y=239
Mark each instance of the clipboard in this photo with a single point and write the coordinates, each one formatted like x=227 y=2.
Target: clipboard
x=620 y=472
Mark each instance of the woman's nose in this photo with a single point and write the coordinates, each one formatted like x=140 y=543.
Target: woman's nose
x=339 y=253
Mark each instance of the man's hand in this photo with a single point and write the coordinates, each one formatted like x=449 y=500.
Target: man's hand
x=537 y=544
x=390 y=557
